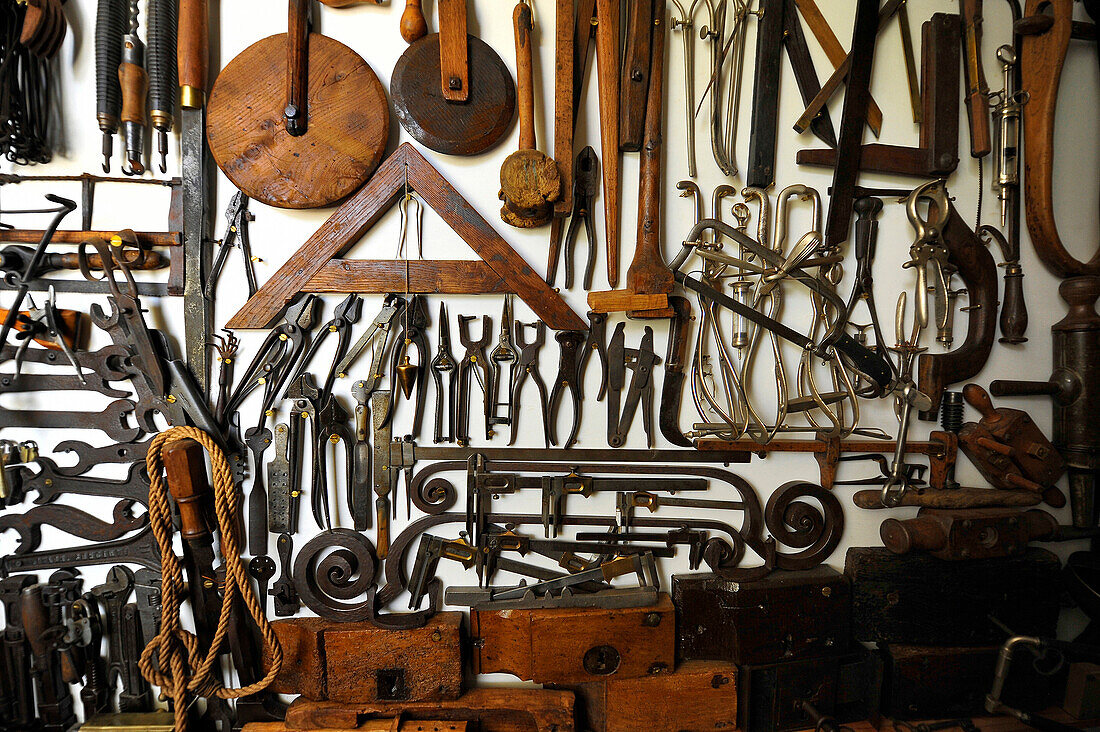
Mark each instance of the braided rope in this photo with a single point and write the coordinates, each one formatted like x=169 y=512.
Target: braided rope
x=178 y=650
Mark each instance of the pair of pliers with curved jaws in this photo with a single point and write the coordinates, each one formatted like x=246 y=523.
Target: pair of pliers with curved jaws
x=414 y=325
x=569 y=343
x=528 y=365
x=346 y=315
x=586 y=182
x=594 y=342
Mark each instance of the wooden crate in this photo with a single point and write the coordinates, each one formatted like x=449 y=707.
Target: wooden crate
x=917 y=599
x=784 y=616
x=570 y=646
x=699 y=696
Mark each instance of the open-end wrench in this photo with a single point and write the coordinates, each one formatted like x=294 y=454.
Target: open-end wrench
x=113 y=420
x=110 y=363
x=258 y=439
x=50 y=483
x=87 y=457
x=141 y=548
x=70 y=520
x=22 y=383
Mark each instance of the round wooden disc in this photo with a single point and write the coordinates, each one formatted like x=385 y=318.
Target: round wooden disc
x=348 y=124
x=453 y=128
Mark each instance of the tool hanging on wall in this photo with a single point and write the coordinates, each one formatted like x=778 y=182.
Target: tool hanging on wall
x=322 y=93
x=236 y=236
x=162 y=72
x=586 y=183
x=134 y=81
x=529 y=179
x=977 y=90
x=452 y=92
x=109 y=28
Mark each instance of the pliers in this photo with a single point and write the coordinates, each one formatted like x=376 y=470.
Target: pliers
x=595 y=342
x=414 y=324
x=640 y=362
x=346 y=315
x=474 y=363
x=528 y=365
x=237 y=217
x=586 y=183
x=444 y=363
x=379 y=329
x=569 y=343
x=42 y=326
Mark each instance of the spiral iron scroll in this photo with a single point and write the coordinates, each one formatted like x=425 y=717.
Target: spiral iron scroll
x=326 y=582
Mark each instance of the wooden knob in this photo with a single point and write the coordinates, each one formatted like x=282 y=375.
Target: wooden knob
x=867 y=207
x=413 y=25
x=1080 y=293
x=185 y=470
x=978 y=398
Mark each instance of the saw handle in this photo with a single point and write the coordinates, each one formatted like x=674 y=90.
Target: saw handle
x=185 y=470
x=295 y=113
x=193 y=48
x=413 y=25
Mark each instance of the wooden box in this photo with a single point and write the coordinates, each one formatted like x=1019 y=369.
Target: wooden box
x=373 y=725
x=927 y=682
x=920 y=600
x=488 y=710
x=845 y=687
x=1083 y=691
x=783 y=617
x=698 y=697
x=568 y=646
x=358 y=662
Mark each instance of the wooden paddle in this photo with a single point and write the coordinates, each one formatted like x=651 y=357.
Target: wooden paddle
x=451 y=91
x=298 y=120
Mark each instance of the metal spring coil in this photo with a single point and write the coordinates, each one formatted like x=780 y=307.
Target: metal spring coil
x=161 y=58
x=110 y=25
x=951 y=412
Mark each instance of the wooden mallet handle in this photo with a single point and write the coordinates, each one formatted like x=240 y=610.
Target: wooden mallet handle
x=185 y=470
x=413 y=25
x=525 y=82
x=193 y=51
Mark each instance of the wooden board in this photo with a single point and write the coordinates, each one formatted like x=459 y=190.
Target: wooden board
x=493 y=710
x=374 y=725
x=786 y=615
x=352 y=220
x=359 y=662
x=551 y=646
x=918 y=599
x=698 y=697
x=348 y=124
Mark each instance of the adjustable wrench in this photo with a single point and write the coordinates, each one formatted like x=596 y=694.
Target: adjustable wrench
x=113 y=594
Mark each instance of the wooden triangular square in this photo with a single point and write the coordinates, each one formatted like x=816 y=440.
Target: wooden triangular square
x=315 y=267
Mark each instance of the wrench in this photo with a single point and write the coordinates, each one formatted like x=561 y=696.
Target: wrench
x=112 y=420
x=70 y=520
x=50 y=483
x=13 y=384
x=110 y=363
x=147 y=584
x=87 y=457
x=262 y=568
x=286 y=597
x=141 y=548
x=258 y=440
x=113 y=594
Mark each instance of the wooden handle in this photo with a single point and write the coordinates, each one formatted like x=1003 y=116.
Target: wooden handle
x=349 y=3
x=135 y=86
x=32 y=609
x=977 y=101
x=382 y=540
x=73 y=325
x=607 y=68
x=525 y=81
x=453 y=62
x=185 y=470
x=954 y=498
x=634 y=83
x=1014 y=308
x=648 y=273
x=297 y=67
x=193 y=50
x=904 y=536
x=978 y=398
x=144 y=260
x=413 y=25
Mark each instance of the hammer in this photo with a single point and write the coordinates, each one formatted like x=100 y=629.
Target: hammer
x=529 y=180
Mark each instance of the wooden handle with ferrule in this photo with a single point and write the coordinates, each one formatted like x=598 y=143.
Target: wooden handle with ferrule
x=382 y=539
x=454 y=64
x=413 y=25
x=185 y=470
x=193 y=50
x=977 y=99
x=525 y=81
x=32 y=610
x=135 y=86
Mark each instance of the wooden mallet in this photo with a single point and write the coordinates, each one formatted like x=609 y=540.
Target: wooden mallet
x=529 y=180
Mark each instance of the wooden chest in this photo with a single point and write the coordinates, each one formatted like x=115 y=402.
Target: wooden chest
x=928 y=682
x=570 y=646
x=699 y=696
x=487 y=710
x=783 y=617
x=358 y=662
x=845 y=687
x=920 y=600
